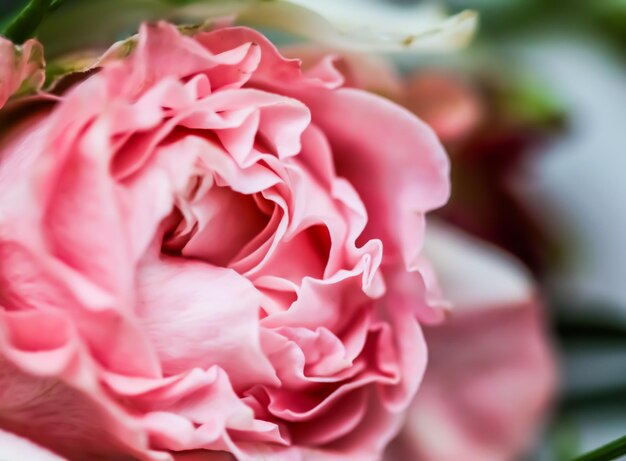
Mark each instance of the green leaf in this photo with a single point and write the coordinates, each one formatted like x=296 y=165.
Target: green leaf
x=565 y=440
x=610 y=451
x=534 y=103
x=24 y=25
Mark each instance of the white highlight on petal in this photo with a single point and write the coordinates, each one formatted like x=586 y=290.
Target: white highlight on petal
x=363 y=25
x=372 y=25
x=14 y=448
x=474 y=274
x=358 y=25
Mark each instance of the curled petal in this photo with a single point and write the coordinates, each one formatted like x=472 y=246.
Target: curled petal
x=397 y=188
x=366 y=71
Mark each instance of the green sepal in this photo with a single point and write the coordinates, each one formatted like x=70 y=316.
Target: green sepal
x=25 y=23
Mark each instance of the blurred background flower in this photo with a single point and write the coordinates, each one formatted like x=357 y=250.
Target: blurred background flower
x=491 y=375
x=574 y=53
x=493 y=126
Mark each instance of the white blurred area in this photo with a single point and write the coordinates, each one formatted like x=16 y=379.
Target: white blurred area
x=584 y=174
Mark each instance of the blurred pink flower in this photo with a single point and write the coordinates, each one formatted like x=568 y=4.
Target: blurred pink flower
x=491 y=376
x=192 y=242
x=448 y=104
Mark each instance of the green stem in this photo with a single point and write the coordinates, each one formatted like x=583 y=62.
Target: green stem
x=24 y=25
x=608 y=452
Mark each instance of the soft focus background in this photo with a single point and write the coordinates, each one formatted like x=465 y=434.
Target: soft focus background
x=533 y=114
x=565 y=62
x=557 y=70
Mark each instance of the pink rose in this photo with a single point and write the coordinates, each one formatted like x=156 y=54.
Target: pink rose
x=491 y=375
x=206 y=250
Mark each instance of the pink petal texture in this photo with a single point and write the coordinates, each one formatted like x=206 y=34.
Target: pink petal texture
x=371 y=72
x=210 y=254
x=21 y=68
x=397 y=216
x=491 y=375
x=397 y=189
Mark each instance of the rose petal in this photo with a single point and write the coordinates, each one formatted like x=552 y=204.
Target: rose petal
x=488 y=386
x=491 y=374
x=51 y=392
x=198 y=315
x=397 y=188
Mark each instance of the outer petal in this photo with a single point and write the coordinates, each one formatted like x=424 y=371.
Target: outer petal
x=49 y=391
x=370 y=72
x=393 y=160
x=21 y=68
x=490 y=375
